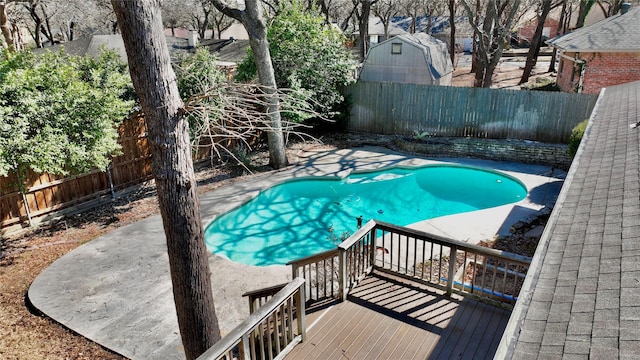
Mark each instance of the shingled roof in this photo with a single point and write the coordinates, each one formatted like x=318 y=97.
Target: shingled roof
x=581 y=298
x=620 y=33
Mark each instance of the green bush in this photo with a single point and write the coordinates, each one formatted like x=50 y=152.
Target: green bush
x=59 y=113
x=576 y=137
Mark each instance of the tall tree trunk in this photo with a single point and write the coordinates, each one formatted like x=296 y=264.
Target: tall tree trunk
x=324 y=10
x=485 y=44
x=583 y=11
x=491 y=38
x=155 y=82
x=474 y=42
x=559 y=30
x=262 y=55
x=253 y=21
x=452 y=22
x=5 y=27
x=47 y=25
x=536 y=42
x=500 y=33
x=363 y=28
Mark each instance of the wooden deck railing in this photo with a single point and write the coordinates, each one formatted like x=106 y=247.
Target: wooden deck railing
x=257 y=298
x=322 y=272
x=449 y=264
x=452 y=265
x=271 y=331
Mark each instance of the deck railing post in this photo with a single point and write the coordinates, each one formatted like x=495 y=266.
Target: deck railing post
x=452 y=269
x=294 y=271
x=372 y=246
x=300 y=298
x=244 y=349
x=342 y=263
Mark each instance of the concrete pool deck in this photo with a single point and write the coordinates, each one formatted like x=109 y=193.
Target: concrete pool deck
x=116 y=290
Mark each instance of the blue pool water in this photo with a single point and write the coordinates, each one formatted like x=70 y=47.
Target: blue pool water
x=302 y=217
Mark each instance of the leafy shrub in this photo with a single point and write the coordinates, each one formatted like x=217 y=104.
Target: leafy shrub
x=59 y=113
x=576 y=137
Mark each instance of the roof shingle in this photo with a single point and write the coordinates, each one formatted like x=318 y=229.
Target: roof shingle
x=620 y=33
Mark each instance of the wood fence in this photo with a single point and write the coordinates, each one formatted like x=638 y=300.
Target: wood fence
x=406 y=109
x=46 y=193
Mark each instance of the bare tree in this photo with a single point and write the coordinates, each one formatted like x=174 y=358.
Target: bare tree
x=49 y=21
x=252 y=19
x=492 y=34
x=202 y=18
x=362 y=11
x=40 y=15
x=386 y=10
x=452 y=38
x=423 y=9
x=543 y=9
x=154 y=80
x=584 y=6
x=340 y=12
x=221 y=22
x=176 y=13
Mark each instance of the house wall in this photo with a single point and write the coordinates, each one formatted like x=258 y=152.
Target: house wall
x=566 y=74
x=550 y=29
x=408 y=67
x=603 y=70
x=608 y=69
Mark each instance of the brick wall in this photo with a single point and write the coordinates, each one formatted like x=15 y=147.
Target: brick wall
x=567 y=79
x=603 y=69
x=529 y=152
x=527 y=30
x=607 y=69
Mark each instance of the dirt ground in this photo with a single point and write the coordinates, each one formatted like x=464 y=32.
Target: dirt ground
x=25 y=334
x=507 y=76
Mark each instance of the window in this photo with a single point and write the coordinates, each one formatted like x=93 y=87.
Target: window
x=396 y=48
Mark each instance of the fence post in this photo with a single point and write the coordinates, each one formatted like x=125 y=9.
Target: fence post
x=452 y=269
x=26 y=206
x=113 y=193
x=342 y=263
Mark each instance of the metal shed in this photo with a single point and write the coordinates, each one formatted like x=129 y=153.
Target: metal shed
x=416 y=59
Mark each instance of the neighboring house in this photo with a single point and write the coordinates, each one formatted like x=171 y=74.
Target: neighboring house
x=89 y=45
x=528 y=29
x=235 y=31
x=604 y=54
x=417 y=59
x=230 y=50
x=377 y=33
x=527 y=24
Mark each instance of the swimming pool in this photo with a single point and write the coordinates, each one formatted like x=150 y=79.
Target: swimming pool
x=302 y=217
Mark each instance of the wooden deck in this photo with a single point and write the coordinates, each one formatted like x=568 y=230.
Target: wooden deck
x=390 y=318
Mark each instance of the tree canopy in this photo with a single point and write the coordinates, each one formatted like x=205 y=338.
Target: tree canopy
x=59 y=114
x=307 y=55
